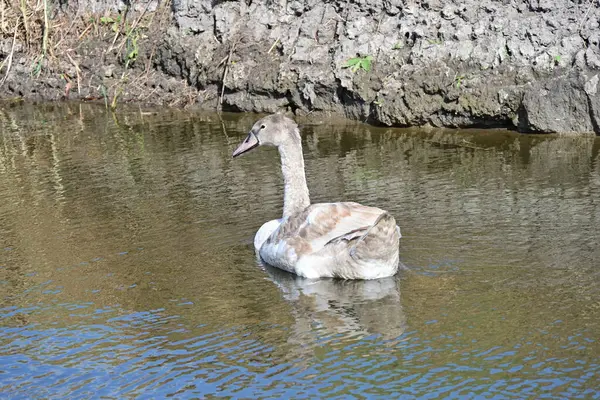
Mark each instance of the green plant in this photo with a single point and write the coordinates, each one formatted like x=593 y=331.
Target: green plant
x=398 y=46
x=435 y=41
x=131 y=49
x=378 y=102
x=107 y=20
x=104 y=95
x=357 y=63
x=36 y=67
x=557 y=59
x=458 y=80
x=113 y=105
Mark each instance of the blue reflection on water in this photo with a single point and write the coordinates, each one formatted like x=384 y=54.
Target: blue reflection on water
x=152 y=355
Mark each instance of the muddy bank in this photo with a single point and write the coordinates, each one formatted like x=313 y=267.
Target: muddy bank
x=532 y=65
x=94 y=51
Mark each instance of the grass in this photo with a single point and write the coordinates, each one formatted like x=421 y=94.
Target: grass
x=557 y=59
x=437 y=41
x=52 y=41
x=113 y=22
x=458 y=79
x=31 y=21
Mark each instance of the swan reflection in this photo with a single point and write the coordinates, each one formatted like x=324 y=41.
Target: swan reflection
x=342 y=307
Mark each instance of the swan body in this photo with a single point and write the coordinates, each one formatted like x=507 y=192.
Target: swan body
x=265 y=231
x=336 y=240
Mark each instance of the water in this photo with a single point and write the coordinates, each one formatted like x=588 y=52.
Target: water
x=127 y=271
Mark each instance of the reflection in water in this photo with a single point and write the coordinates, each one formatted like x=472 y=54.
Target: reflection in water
x=126 y=264
x=332 y=307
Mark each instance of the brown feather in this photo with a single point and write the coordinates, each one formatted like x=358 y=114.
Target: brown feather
x=319 y=224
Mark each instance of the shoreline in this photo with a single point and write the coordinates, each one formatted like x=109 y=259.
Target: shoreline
x=392 y=64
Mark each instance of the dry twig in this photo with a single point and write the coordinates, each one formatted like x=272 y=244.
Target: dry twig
x=78 y=71
x=46 y=29
x=12 y=51
x=585 y=15
x=24 y=12
x=225 y=72
x=273 y=46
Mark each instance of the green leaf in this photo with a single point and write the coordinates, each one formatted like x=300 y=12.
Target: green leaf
x=365 y=63
x=357 y=63
x=351 y=62
x=133 y=54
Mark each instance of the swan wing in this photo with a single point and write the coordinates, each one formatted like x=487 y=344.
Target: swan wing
x=320 y=224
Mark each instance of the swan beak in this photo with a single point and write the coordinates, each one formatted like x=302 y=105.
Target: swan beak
x=248 y=144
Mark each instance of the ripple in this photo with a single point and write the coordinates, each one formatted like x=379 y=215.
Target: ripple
x=126 y=265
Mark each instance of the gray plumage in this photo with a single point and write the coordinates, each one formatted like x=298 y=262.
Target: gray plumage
x=339 y=240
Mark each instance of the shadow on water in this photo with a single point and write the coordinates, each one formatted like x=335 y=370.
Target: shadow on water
x=126 y=267
x=335 y=307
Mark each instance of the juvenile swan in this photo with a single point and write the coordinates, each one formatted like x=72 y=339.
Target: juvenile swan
x=337 y=240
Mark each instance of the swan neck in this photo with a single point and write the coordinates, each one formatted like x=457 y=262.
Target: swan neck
x=296 y=197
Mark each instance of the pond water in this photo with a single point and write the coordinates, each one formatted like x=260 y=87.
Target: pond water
x=127 y=270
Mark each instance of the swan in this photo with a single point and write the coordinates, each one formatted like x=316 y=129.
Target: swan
x=343 y=240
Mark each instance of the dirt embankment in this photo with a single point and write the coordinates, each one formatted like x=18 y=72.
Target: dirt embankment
x=89 y=50
x=533 y=65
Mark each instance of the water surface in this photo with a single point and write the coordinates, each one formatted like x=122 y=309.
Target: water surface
x=126 y=265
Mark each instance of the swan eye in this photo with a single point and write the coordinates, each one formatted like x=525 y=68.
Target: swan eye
x=262 y=127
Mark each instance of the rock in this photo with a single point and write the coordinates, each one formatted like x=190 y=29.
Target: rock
x=559 y=105
x=542 y=5
x=109 y=71
x=593 y=91
x=393 y=7
x=591 y=86
x=448 y=12
x=592 y=58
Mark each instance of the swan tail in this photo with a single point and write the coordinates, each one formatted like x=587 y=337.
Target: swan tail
x=380 y=242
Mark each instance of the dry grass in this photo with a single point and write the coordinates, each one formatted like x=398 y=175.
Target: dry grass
x=58 y=39
x=28 y=15
x=49 y=32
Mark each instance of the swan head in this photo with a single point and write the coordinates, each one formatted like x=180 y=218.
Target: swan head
x=273 y=130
